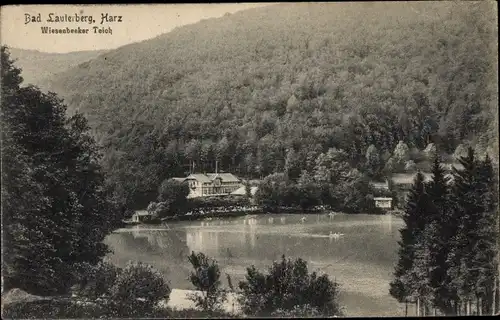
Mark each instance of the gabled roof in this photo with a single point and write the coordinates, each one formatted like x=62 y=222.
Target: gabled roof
x=226 y=177
x=380 y=185
x=209 y=177
x=198 y=177
x=408 y=178
x=382 y=198
x=141 y=213
x=179 y=179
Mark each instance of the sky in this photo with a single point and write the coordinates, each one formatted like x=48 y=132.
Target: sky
x=138 y=22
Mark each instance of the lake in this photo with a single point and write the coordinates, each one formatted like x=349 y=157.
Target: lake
x=361 y=259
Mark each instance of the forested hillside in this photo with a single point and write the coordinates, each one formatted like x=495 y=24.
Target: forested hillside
x=269 y=88
x=38 y=66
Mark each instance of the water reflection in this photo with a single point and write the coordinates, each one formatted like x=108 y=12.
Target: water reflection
x=358 y=250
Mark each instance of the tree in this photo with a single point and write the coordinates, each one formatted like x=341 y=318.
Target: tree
x=292 y=167
x=441 y=229
x=401 y=153
x=23 y=202
x=466 y=211
x=286 y=286
x=192 y=152
x=309 y=192
x=472 y=266
x=373 y=162
x=274 y=192
x=354 y=194
x=66 y=212
x=173 y=198
x=417 y=278
x=206 y=278
x=414 y=218
x=331 y=166
x=485 y=248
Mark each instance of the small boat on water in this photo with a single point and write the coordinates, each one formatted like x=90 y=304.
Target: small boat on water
x=335 y=235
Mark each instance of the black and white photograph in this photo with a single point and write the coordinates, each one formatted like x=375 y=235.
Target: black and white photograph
x=250 y=160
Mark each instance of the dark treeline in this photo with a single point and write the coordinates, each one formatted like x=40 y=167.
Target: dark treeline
x=56 y=210
x=448 y=256
x=265 y=90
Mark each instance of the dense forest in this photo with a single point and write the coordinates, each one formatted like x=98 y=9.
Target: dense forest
x=267 y=90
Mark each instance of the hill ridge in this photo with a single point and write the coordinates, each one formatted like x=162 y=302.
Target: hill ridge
x=265 y=88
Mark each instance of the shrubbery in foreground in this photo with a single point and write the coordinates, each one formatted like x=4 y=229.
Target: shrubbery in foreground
x=206 y=279
x=57 y=309
x=288 y=288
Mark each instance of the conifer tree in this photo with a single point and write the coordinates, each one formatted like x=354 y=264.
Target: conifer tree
x=438 y=235
x=465 y=213
x=414 y=223
x=418 y=279
x=483 y=265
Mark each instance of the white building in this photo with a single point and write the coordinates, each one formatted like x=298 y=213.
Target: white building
x=382 y=202
x=211 y=184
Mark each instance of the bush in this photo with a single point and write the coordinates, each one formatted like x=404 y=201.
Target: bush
x=206 y=278
x=138 y=289
x=96 y=281
x=288 y=287
x=108 y=291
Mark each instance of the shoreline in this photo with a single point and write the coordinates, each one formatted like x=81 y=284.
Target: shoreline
x=234 y=214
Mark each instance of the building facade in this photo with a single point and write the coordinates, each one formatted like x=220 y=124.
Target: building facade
x=211 y=184
x=383 y=202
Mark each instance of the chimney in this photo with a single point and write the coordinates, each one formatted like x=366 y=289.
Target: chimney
x=216 y=162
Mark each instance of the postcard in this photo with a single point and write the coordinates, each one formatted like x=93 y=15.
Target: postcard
x=307 y=159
